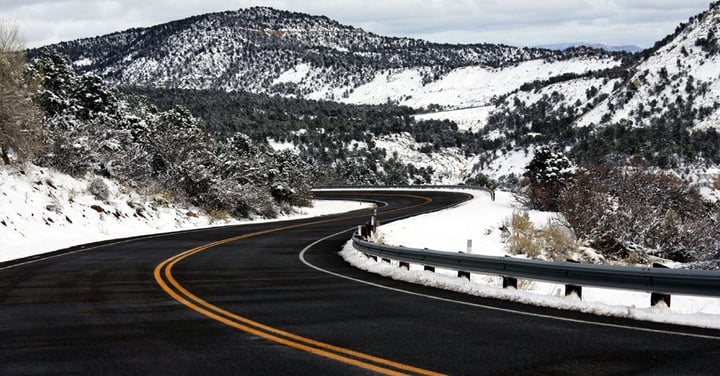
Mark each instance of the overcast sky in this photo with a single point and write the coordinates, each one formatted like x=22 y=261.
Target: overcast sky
x=513 y=22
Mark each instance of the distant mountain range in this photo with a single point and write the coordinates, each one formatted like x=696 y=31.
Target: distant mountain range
x=601 y=46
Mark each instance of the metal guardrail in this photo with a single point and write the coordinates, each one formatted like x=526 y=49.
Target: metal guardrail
x=655 y=280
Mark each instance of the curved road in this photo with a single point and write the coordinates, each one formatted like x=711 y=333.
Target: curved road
x=240 y=300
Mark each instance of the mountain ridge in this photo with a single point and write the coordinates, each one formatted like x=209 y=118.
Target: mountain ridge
x=250 y=49
x=601 y=46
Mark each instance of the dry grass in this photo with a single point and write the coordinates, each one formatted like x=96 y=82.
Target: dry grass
x=217 y=214
x=522 y=238
x=553 y=241
x=559 y=243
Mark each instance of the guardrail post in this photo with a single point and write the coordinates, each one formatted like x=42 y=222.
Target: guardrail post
x=657 y=297
x=570 y=289
x=462 y=273
x=371 y=256
x=510 y=282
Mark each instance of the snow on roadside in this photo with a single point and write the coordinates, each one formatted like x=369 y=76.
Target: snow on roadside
x=480 y=220
x=42 y=210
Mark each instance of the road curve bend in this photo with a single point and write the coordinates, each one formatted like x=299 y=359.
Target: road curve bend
x=239 y=300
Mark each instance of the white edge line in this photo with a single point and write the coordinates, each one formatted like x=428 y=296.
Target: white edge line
x=43 y=256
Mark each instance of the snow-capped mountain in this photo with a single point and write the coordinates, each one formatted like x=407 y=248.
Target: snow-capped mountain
x=264 y=50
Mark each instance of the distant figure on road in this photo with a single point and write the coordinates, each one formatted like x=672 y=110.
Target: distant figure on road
x=491 y=188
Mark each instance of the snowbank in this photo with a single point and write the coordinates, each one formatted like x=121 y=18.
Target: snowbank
x=42 y=210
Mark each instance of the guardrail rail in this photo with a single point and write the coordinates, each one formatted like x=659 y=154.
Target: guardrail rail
x=660 y=282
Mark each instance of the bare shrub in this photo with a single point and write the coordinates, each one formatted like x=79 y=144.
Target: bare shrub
x=21 y=128
x=217 y=214
x=522 y=237
x=716 y=184
x=624 y=210
x=559 y=242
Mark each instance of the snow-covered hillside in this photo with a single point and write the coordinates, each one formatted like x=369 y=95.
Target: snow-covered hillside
x=468 y=86
x=682 y=75
x=264 y=50
x=675 y=82
x=469 y=119
x=449 y=166
x=517 y=97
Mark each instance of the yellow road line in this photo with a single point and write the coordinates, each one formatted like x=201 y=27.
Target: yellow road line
x=163 y=273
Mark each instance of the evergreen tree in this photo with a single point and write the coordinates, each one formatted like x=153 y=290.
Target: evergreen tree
x=548 y=171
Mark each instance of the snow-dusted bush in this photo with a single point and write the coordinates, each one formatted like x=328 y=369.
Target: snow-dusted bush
x=547 y=171
x=551 y=242
x=99 y=189
x=521 y=235
x=559 y=243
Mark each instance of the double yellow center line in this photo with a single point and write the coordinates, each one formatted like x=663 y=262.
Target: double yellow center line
x=166 y=280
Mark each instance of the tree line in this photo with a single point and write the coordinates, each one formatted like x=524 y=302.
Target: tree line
x=89 y=128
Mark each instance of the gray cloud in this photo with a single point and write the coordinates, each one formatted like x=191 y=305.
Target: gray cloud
x=514 y=22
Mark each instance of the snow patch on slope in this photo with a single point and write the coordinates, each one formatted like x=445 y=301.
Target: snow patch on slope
x=510 y=163
x=293 y=75
x=465 y=87
x=467 y=119
x=449 y=165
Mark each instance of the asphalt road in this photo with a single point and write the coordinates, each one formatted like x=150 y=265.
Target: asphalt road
x=239 y=300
